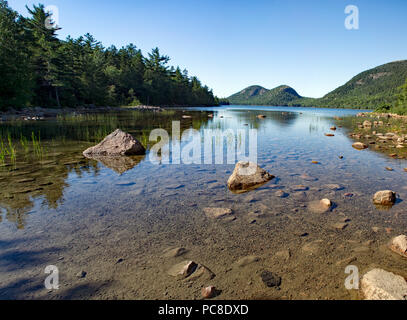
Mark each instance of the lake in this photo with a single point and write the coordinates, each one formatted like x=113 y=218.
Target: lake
x=110 y=227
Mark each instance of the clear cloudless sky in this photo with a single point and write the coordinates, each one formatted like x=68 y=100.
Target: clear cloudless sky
x=231 y=44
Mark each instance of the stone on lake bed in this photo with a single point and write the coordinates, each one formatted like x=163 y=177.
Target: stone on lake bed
x=208 y=292
x=384 y=198
x=306 y=177
x=183 y=269
x=242 y=262
x=174 y=252
x=281 y=194
x=320 y=206
x=340 y=225
x=299 y=187
x=270 y=279
x=379 y=284
x=217 y=213
x=326 y=202
x=399 y=245
x=247 y=176
x=359 y=145
x=118 y=143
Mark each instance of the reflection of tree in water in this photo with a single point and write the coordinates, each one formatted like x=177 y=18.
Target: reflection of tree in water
x=48 y=182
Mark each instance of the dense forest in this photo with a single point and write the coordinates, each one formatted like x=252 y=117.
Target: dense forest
x=38 y=69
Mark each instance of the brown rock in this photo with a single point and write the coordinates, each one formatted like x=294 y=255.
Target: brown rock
x=117 y=143
x=208 y=292
x=247 y=176
x=385 y=197
x=378 y=284
x=399 y=245
x=217 y=213
x=359 y=145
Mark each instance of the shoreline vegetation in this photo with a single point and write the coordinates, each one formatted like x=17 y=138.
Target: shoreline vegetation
x=39 y=69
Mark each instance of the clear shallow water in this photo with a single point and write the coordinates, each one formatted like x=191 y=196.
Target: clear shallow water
x=62 y=209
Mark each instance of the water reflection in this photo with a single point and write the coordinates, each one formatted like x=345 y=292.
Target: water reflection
x=43 y=177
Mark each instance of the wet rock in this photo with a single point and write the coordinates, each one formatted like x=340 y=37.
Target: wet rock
x=399 y=245
x=270 y=279
x=208 y=292
x=183 y=269
x=284 y=254
x=333 y=128
x=326 y=202
x=299 y=187
x=340 y=225
x=359 y=145
x=117 y=143
x=202 y=273
x=315 y=162
x=333 y=186
x=306 y=177
x=389 y=169
x=174 y=252
x=247 y=176
x=81 y=274
x=384 y=198
x=312 y=247
x=378 y=284
x=329 y=135
x=217 y=213
x=246 y=261
x=281 y=194
x=367 y=123
x=320 y=206
x=261 y=116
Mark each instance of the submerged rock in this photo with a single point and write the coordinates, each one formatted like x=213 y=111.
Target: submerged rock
x=208 y=292
x=359 y=145
x=270 y=279
x=247 y=176
x=174 y=252
x=183 y=269
x=217 y=213
x=399 y=245
x=379 y=284
x=242 y=262
x=384 y=198
x=118 y=143
x=320 y=206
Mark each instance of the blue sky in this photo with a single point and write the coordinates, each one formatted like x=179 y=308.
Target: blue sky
x=230 y=45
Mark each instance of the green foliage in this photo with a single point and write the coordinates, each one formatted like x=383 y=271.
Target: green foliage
x=371 y=89
x=257 y=95
x=38 y=69
x=16 y=75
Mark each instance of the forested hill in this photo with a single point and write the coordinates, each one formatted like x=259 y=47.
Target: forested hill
x=38 y=69
x=370 y=89
x=257 y=95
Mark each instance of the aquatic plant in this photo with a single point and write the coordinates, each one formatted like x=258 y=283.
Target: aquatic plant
x=37 y=147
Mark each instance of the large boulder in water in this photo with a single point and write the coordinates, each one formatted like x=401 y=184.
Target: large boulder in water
x=247 y=176
x=118 y=143
x=384 y=198
x=379 y=284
